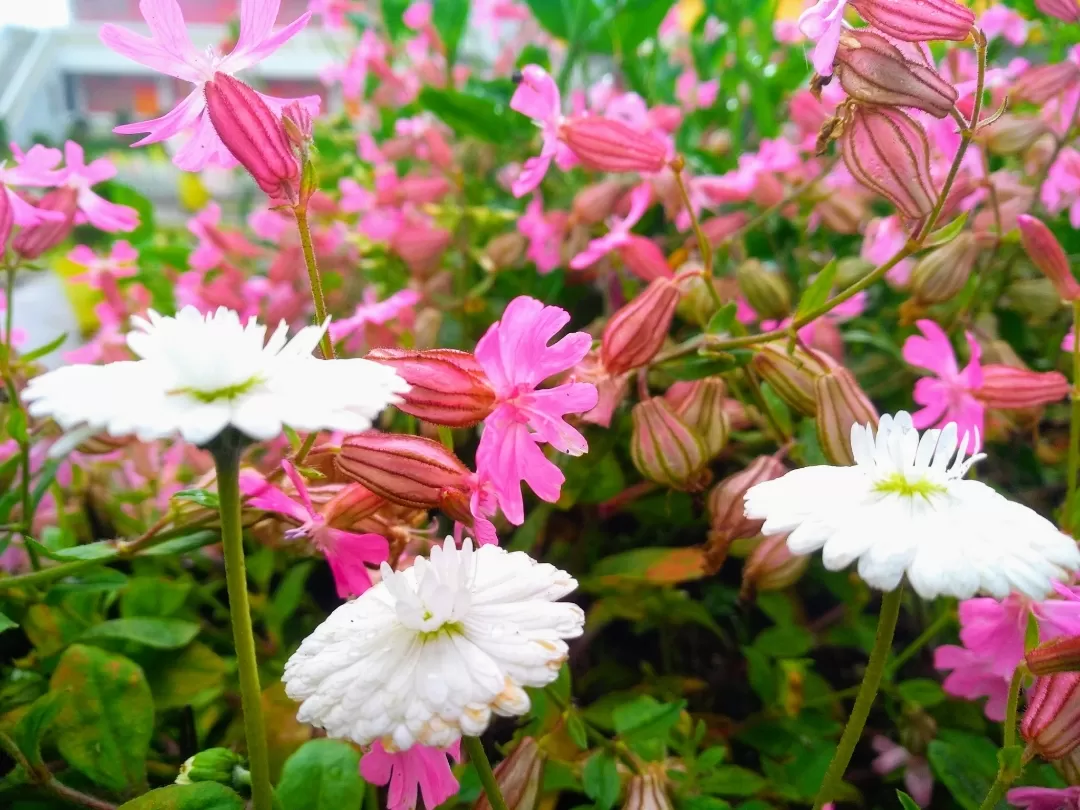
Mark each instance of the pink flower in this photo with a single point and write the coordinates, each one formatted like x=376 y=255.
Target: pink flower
x=883 y=238
x=1062 y=187
x=347 y=553
x=1002 y=21
x=169 y=50
x=372 y=311
x=950 y=397
x=420 y=768
x=36 y=168
x=693 y=94
x=545 y=235
x=822 y=23
x=120 y=263
x=918 y=779
x=96 y=210
x=516 y=357
x=538 y=97
x=1037 y=798
x=333 y=11
x=619 y=234
x=972 y=678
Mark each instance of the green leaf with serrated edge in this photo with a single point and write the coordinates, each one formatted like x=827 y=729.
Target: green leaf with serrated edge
x=32 y=726
x=322 y=775
x=106 y=718
x=946 y=234
x=200 y=796
x=200 y=496
x=818 y=291
x=600 y=780
x=159 y=633
x=723 y=319
x=906 y=801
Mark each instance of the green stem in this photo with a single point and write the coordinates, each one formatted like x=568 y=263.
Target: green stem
x=479 y=759
x=1074 y=422
x=314 y=278
x=875 y=668
x=227 y=463
x=997 y=791
x=935 y=627
x=703 y=244
x=1011 y=706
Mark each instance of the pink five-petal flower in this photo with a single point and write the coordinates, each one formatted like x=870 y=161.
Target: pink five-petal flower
x=619 y=233
x=950 y=397
x=537 y=97
x=347 y=553
x=918 y=778
x=972 y=677
x=1037 y=798
x=169 y=50
x=516 y=357
x=822 y=24
x=420 y=768
x=96 y=210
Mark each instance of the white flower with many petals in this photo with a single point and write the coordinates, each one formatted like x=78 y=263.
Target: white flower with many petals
x=905 y=508
x=199 y=374
x=429 y=653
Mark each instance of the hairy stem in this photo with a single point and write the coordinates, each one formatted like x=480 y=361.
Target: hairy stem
x=314 y=278
x=677 y=166
x=478 y=757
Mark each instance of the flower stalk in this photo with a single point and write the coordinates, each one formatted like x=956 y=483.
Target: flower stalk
x=478 y=757
x=1074 y=423
x=704 y=245
x=313 y=276
x=1007 y=774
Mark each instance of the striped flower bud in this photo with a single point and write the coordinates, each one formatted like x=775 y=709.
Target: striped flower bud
x=1041 y=83
x=725 y=502
x=1051 y=724
x=1067 y=10
x=918 y=22
x=1057 y=655
x=519 y=777
x=771 y=566
x=447 y=387
x=1010 y=388
x=406 y=470
x=254 y=135
x=701 y=406
x=644 y=258
x=886 y=150
x=595 y=203
x=298 y=126
x=607 y=145
x=1046 y=253
x=873 y=70
x=766 y=291
x=505 y=250
x=32 y=242
x=352 y=504
x=943 y=272
x=791 y=375
x=7 y=219
x=841 y=403
x=646 y=792
x=636 y=332
x=1012 y=134
x=665 y=449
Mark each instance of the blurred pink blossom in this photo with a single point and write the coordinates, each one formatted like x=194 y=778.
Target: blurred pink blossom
x=372 y=311
x=420 y=768
x=950 y=395
x=693 y=94
x=618 y=234
x=1038 y=798
x=93 y=208
x=545 y=234
x=538 y=97
x=918 y=779
x=34 y=168
x=1001 y=21
x=884 y=237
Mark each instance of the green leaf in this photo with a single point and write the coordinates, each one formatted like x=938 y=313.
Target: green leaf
x=922 y=692
x=202 y=497
x=16 y=426
x=392 y=12
x=696 y=367
x=786 y=641
x=41 y=351
x=153 y=596
x=645 y=724
x=732 y=780
x=947 y=233
x=162 y=634
x=575 y=727
x=106 y=717
x=7 y=623
x=703 y=803
x=33 y=725
x=101 y=550
x=449 y=18
x=287 y=595
x=556 y=15
x=200 y=796
x=658 y=566
x=473 y=115
x=629 y=28
x=723 y=319
x=818 y=291
x=181 y=545
x=194 y=677
x=126 y=195
x=600 y=780
x=906 y=801
x=322 y=775
x=967 y=765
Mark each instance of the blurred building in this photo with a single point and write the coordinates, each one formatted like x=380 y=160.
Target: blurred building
x=59 y=77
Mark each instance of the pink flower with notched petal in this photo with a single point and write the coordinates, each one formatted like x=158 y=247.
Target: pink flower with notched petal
x=35 y=168
x=918 y=778
x=419 y=769
x=348 y=553
x=516 y=357
x=92 y=208
x=1038 y=798
x=822 y=24
x=618 y=234
x=538 y=97
x=950 y=397
x=169 y=50
x=972 y=677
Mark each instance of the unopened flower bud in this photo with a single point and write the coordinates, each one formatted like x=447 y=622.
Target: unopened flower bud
x=447 y=387
x=595 y=203
x=214 y=765
x=886 y=150
x=1046 y=253
x=636 y=332
x=646 y=792
x=766 y=291
x=351 y=505
x=607 y=145
x=505 y=250
x=717 y=229
x=701 y=406
x=519 y=777
x=254 y=135
x=32 y=242
x=1051 y=724
x=943 y=272
x=873 y=70
x=727 y=513
x=1012 y=134
x=841 y=403
x=7 y=219
x=406 y=470
x=771 y=566
x=791 y=375
x=842 y=213
x=1011 y=388
x=1057 y=655
x=1067 y=10
x=918 y=22
x=665 y=449
x=643 y=257
x=298 y=126
x=1040 y=83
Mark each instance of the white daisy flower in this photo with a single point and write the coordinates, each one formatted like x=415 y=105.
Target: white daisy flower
x=429 y=653
x=200 y=374
x=904 y=509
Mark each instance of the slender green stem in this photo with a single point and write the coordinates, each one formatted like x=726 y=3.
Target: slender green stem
x=479 y=759
x=875 y=668
x=1012 y=704
x=927 y=635
x=703 y=244
x=1074 y=422
x=313 y=277
x=997 y=791
x=227 y=463
x=1006 y=775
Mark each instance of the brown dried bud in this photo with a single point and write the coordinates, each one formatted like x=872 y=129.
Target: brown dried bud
x=1011 y=134
x=505 y=250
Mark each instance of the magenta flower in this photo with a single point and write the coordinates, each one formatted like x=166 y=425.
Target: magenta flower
x=972 y=677
x=516 y=357
x=1002 y=21
x=883 y=238
x=33 y=168
x=1062 y=187
x=822 y=24
x=538 y=97
x=950 y=397
x=420 y=768
x=619 y=234
x=1037 y=798
x=372 y=311
x=692 y=94
x=93 y=208
x=169 y=50
x=120 y=263
x=348 y=553
x=918 y=779
x=545 y=235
